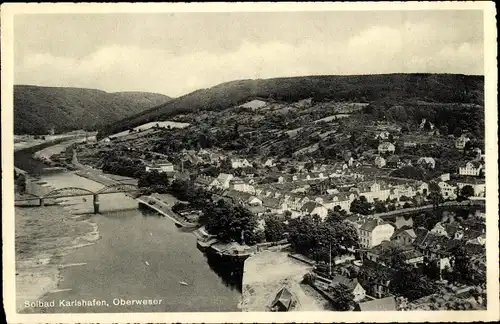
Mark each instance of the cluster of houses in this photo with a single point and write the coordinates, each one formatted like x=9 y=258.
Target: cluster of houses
x=293 y=193
x=418 y=246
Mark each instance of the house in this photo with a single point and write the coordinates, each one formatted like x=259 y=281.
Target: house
x=372 y=190
x=447 y=191
x=479 y=186
x=373 y=231
x=223 y=181
x=404 y=237
x=427 y=162
x=160 y=167
x=444 y=177
x=434 y=247
x=380 y=162
x=240 y=163
x=241 y=185
x=383 y=304
x=382 y=135
x=383 y=251
x=353 y=286
x=314 y=208
x=274 y=205
x=257 y=210
x=269 y=163
x=461 y=141
x=471 y=168
x=409 y=144
x=394 y=161
x=386 y=147
x=283 y=302
x=343 y=200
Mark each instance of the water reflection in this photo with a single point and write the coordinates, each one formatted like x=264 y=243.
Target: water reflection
x=229 y=270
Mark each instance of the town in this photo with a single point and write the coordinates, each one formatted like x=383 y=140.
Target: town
x=378 y=206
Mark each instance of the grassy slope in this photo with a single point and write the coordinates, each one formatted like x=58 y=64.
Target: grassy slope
x=364 y=88
x=37 y=109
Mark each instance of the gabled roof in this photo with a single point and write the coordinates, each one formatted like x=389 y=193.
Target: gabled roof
x=310 y=206
x=271 y=202
x=370 y=224
x=283 y=299
x=342 y=280
x=383 y=304
x=224 y=177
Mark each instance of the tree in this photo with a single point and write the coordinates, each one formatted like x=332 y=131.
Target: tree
x=467 y=191
x=409 y=282
x=232 y=223
x=380 y=207
x=274 y=229
x=361 y=206
x=341 y=297
x=435 y=194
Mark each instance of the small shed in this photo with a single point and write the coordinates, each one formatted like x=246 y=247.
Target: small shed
x=283 y=301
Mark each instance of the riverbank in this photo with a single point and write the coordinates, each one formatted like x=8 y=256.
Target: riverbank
x=42 y=239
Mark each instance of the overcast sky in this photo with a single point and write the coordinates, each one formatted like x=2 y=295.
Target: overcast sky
x=175 y=54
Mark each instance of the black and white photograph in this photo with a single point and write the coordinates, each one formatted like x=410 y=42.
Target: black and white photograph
x=232 y=159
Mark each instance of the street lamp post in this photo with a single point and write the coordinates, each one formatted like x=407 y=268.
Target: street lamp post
x=330 y=260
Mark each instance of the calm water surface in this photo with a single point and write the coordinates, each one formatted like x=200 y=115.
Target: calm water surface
x=140 y=255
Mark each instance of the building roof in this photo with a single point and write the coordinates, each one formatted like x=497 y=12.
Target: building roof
x=224 y=177
x=370 y=224
x=342 y=280
x=426 y=160
x=310 y=206
x=271 y=202
x=283 y=299
x=257 y=209
x=383 y=304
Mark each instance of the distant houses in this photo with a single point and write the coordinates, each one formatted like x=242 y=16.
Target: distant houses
x=471 y=168
x=461 y=141
x=160 y=167
x=386 y=147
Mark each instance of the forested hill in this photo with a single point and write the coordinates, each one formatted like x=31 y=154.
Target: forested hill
x=38 y=109
x=388 y=89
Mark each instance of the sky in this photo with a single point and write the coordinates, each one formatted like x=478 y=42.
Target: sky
x=177 y=53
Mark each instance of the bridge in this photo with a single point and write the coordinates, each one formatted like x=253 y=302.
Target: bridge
x=81 y=192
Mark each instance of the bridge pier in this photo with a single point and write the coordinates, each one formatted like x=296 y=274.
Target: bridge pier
x=96 y=204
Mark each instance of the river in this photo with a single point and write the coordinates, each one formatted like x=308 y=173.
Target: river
x=140 y=255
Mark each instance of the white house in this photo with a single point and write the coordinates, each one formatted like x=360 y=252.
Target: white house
x=461 y=141
x=223 y=181
x=241 y=185
x=240 y=163
x=382 y=135
x=269 y=163
x=471 y=168
x=160 y=167
x=447 y=191
x=386 y=147
x=373 y=231
x=380 y=162
x=314 y=208
x=373 y=190
x=353 y=285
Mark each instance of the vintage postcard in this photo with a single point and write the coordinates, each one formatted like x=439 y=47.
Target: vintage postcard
x=249 y=162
